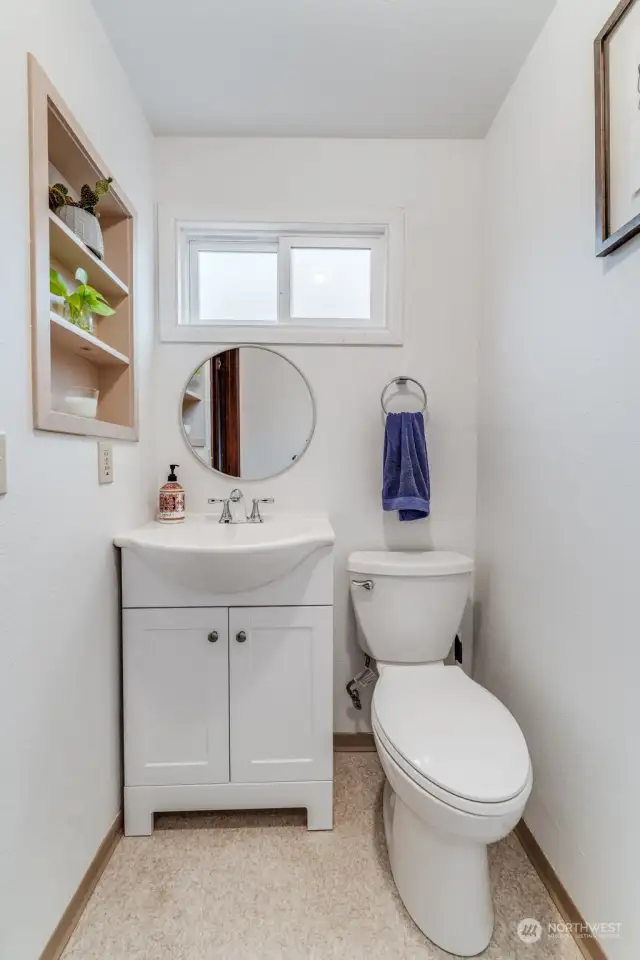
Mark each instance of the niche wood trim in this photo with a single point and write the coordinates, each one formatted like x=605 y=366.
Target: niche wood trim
x=64 y=355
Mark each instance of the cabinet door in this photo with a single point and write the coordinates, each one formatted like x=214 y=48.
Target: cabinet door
x=281 y=708
x=176 y=696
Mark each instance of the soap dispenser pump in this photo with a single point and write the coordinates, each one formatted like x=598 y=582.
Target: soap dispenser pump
x=171 y=499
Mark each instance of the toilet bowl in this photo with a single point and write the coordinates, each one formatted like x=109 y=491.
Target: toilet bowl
x=456 y=763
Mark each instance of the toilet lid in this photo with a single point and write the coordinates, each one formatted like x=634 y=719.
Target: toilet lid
x=452 y=731
x=409 y=563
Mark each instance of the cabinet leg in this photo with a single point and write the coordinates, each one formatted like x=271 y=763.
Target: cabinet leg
x=320 y=808
x=138 y=818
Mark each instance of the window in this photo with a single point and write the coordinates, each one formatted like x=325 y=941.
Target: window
x=251 y=278
x=297 y=283
x=233 y=283
x=332 y=283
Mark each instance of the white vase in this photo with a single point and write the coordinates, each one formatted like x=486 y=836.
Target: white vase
x=84 y=225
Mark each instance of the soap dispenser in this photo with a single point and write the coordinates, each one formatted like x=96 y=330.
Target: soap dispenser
x=171 y=499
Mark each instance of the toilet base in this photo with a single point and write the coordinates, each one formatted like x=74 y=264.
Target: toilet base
x=442 y=880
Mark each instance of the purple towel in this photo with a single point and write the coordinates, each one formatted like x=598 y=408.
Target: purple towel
x=405 y=470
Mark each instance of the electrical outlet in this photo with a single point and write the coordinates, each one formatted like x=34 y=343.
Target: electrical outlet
x=105 y=462
x=3 y=464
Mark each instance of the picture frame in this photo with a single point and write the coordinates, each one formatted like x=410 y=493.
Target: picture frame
x=617 y=114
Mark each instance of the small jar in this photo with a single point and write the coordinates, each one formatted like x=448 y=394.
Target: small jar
x=82 y=401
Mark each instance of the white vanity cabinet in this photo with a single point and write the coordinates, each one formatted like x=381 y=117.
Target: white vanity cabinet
x=176 y=696
x=278 y=680
x=228 y=699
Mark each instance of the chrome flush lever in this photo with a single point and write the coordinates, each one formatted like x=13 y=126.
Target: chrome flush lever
x=365 y=584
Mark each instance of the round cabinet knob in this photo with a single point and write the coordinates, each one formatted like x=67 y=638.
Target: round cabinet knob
x=241 y=637
x=213 y=636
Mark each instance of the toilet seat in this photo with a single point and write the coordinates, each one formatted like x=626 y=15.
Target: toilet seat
x=452 y=737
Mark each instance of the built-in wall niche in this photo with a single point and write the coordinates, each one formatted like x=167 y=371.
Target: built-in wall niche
x=65 y=356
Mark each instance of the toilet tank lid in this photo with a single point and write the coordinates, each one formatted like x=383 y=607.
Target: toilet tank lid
x=409 y=563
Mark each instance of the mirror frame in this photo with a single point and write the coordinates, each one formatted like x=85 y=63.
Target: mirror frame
x=314 y=413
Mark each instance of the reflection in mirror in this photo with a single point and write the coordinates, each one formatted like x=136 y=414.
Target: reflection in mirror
x=248 y=413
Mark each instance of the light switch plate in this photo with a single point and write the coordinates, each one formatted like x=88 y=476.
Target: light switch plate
x=3 y=464
x=105 y=462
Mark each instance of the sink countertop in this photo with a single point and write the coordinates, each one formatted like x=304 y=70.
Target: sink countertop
x=203 y=533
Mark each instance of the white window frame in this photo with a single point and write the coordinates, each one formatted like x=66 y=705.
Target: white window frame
x=180 y=236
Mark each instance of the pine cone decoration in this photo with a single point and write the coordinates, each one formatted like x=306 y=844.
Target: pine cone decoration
x=88 y=199
x=58 y=196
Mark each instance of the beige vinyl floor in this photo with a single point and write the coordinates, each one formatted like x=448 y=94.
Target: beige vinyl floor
x=258 y=885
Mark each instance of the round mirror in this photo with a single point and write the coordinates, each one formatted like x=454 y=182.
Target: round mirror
x=248 y=413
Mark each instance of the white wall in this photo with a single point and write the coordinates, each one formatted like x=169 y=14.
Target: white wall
x=559 y=475
x=438 y=183
x=59 y=679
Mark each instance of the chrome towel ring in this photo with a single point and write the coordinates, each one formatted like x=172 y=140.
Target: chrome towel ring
x=400 y=382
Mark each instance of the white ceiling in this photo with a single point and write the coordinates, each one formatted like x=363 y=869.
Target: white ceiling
x=334 y=68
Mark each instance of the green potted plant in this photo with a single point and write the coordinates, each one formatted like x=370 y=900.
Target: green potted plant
x=80 y=215
x=80 y=305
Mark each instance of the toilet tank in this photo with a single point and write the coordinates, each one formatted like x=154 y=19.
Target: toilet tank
x=409 y=605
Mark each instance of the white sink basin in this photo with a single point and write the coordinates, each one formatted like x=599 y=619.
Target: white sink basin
x=228 y=558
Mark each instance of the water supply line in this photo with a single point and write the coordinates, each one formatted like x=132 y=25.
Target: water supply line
x=363 y=679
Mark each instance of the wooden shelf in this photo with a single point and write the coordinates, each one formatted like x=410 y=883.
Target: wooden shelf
x=59 y=422
x=69 y=250
x=190 y=398
x=63 y=355
x=69 y=337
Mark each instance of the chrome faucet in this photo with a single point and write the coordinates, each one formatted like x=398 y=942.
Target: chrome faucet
x=236 y=496
x=227 y=515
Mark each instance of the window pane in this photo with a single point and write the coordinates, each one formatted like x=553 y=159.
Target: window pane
x=238 y=286
x=330 y=283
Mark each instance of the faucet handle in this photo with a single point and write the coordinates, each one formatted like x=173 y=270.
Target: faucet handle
x=225 y=516
x=255 y=516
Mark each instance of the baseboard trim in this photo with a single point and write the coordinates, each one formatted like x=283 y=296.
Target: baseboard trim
x=69 y=920
x=588 y=945
x=354 y=743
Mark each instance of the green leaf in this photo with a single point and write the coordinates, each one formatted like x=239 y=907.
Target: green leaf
x=57 y=286
x=102 y=186
x=85 y=299
x=75 y=306
x=81 y=275
x=103 y=309
x=98 y=303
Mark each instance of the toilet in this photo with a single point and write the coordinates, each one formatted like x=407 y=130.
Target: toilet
x=458 y=773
